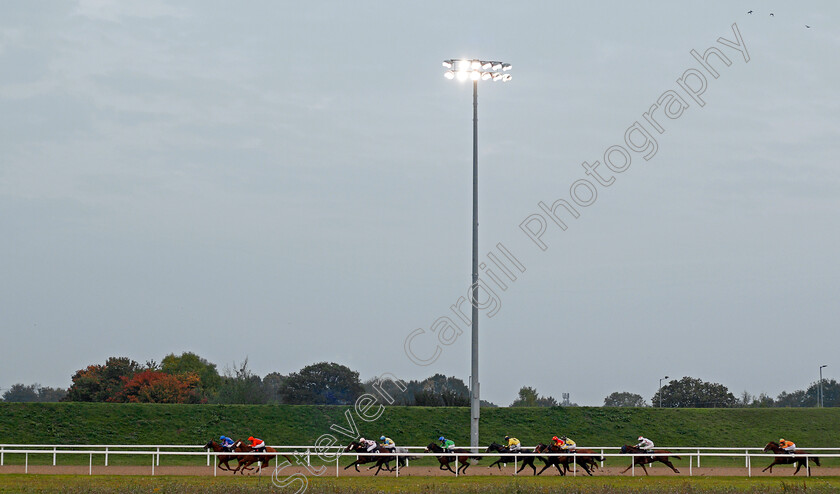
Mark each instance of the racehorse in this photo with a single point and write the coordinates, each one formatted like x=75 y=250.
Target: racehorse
x=368 y=457
x=659 y=455
x=527 y=461
x=223 y=459
x=550 y=460
x=463 y=460
x=245 y=461
x=784 y=458
x=586 y=458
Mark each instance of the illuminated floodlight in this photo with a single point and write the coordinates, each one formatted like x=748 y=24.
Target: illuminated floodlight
x=486 y=65
x=505 y=66
x=497 y=65
x=475 y=64
x=485 y=76
x=475 y=75
x=447 y=64
x=506 y=77
x=462 y=75
x=497 y=76
x=449 y=74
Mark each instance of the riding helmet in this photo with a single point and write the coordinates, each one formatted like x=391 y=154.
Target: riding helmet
x=381 y=438
x=441 y=438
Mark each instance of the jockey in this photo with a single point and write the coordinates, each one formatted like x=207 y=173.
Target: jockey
x=226 y=443
x=513 y=444
x=257 y=444
x=447 y=444
x=568 y=444
x=369 y=444
x=388 y=443
x=556 y=441
x=645 y=444
x=788 y=446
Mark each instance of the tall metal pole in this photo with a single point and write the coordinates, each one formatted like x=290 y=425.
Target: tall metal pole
x=475 y=401
x=821 y=389
x=660 y=391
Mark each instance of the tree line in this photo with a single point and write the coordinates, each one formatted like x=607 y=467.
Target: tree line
x=189 y=378
x=690 y=392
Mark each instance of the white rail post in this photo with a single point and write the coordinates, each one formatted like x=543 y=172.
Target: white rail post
x=746 y=458
x=153 y=465
x=336 y=465
x=456 y=465
x=690 y=473
x=214 y=464
x=807 y=467
x=54 y=451
x=106 y=456
x=398 y=462
x=602 y=457
x=158 y=455
x=698 y=458
x=1 y=456
x=90 y=465
x=574 y=464
x=208 y=459
x=26 y=464
x=633 y=466
x=307 y=458
x=515 y=457
x=749 y=465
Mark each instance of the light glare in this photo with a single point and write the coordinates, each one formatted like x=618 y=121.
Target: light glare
x=449 y=74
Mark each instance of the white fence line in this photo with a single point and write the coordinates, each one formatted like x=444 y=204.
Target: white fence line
x=155 y=456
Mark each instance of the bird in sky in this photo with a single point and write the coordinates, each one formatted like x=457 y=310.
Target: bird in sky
x=807 y=26
x=750 y=12
x=771 y=14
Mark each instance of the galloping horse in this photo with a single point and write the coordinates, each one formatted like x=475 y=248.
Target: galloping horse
x=659 y=455
x=550 y=460
x=586 y=458
x=245 y=461
x=527 y=461
x=367 y=457
x=463 y=460
x=223 y=459
x=783 y=458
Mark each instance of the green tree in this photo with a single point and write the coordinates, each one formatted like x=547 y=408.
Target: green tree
x=21 y=393
x=272 y=384
x=624 y=399
x=190 y=363
x=47 y=394
x=102 y=382
x=324 y=383
x=528 y=397
x=689 y=392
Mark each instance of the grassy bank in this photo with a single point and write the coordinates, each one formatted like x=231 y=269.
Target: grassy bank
x=106 y=423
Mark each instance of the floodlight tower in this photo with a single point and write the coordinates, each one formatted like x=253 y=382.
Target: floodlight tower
x=475 y=70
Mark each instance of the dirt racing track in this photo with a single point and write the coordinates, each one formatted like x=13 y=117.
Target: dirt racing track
x=424 y=471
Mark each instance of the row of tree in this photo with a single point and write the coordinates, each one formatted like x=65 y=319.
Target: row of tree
x=188 y=378
x=689 y=392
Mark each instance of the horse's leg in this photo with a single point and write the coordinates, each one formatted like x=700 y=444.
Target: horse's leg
x=667 y=462
x=770 y=466
x=798 y=466
x=645 y=469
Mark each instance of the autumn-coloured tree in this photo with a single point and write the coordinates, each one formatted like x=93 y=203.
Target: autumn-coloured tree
x=159 y=387
x=101 y=382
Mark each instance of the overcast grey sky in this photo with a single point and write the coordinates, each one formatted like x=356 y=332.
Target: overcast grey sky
x=291 y=182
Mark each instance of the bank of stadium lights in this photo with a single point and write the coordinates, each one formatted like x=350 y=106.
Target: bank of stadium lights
x=475 y=70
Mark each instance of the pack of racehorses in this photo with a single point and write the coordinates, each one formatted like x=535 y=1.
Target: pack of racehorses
x=549 y=454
